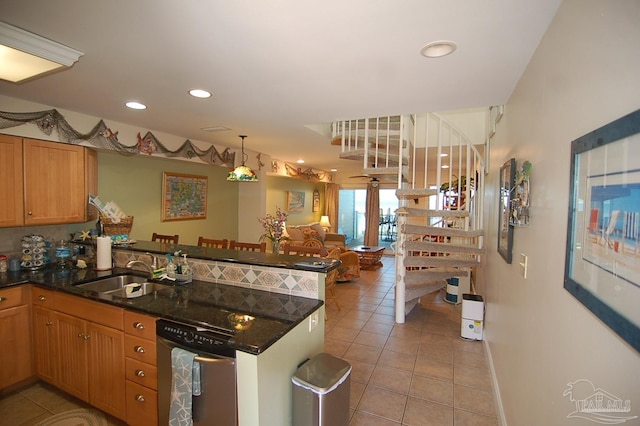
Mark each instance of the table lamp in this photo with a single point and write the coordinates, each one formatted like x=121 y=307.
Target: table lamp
x=324 y=223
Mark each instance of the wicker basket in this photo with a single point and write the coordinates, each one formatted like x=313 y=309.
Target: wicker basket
x=122 y=228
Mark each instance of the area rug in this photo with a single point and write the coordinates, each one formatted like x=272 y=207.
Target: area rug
x=78 y=417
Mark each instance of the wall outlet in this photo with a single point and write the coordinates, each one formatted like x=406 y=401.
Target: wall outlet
x=313 y=320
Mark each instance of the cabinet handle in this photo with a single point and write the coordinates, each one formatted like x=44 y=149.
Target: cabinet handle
x=138 y=325
x=140 y=398
x=42 y=298
x=138 y=349
x=80 y=335
x=86 y=337
x=2 y=299
x=30 y=213
x=48 y=323
x=140 y=373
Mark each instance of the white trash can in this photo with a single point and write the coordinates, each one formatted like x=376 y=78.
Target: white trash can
x=321 y=389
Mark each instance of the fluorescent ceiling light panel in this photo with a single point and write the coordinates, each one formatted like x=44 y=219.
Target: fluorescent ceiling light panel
x=24 y=55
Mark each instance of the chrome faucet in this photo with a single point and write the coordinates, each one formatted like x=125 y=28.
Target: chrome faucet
x=150 y=267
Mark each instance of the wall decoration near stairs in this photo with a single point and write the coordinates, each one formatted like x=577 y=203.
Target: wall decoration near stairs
x=103 y=137
x=505 y=230
x=521 y=196
x=602 y=265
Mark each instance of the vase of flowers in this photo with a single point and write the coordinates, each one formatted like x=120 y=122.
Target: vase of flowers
x=274 y=227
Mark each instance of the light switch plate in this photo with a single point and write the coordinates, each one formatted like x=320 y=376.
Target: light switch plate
x=313 y=320
x=523 y=265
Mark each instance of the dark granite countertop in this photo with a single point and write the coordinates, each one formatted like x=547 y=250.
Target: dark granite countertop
x=198 y=303
x=238 y=256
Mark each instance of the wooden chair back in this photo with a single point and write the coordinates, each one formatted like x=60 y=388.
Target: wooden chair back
x=302 y=250
x=236 y=245
x=171 y=239
x=331 y=278
x=210 y=242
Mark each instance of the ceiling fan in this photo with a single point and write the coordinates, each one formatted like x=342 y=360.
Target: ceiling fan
x=375 y=181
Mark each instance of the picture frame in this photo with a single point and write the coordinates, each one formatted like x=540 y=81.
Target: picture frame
x=295 y=201
x=316 y=200
x=505 y=229
x=184 y=197
x=602 y=262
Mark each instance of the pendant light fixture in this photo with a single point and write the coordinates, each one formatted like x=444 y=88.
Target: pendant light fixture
x=242 y=173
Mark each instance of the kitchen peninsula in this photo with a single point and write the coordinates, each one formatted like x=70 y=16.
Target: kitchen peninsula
x=283 y=293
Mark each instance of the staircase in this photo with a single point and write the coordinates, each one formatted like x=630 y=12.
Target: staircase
x=439 y=213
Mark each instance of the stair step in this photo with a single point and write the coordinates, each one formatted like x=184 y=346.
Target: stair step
x=435 y=261
x=420 y=276
x=407 y=194
x=410 y=304
x=438 y=231
x=432 y=246
x=358 y=154
x=359 y=141
x=412 y=211
x=412 y=292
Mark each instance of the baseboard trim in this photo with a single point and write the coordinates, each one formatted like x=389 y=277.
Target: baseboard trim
x=502 y=420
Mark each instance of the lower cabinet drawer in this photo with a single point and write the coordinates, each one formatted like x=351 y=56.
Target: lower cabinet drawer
x=11 y=297
x=142 y=405
x=141 y=349
x=141 y=373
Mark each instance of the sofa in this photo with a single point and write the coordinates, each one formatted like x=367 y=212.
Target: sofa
x=299 y=234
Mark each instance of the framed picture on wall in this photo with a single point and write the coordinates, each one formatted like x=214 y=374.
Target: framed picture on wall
x=184 y=197
x=505 y=230
x=602 y=264
x=295 y=201
x=316 y=200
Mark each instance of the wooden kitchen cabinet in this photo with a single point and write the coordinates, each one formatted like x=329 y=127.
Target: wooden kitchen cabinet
x=15 y=330
x=43 y=338
x=72 y=355
x=141 y=370
x=11 y=197
x=46 y=182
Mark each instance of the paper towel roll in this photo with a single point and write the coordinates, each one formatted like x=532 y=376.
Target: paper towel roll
x=103 y=255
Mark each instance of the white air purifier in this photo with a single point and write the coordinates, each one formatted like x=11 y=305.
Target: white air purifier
x=472 y=317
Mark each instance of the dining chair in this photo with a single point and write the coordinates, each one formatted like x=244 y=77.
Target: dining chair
x=210 y=242
x=172 y=239
x=331 y=279
x=236 y=245
x=302 y=250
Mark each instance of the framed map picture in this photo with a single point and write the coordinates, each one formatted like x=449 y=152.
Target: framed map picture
x=184 y=197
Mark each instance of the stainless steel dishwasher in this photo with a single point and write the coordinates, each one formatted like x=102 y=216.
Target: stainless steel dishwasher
x=217 y=402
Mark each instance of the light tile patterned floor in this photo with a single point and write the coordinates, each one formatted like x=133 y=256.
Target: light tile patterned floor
x=417 y=373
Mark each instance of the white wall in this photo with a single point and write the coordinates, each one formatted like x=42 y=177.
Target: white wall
x=584 y=74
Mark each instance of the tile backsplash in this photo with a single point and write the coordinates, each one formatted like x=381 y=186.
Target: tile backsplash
x=11 y=238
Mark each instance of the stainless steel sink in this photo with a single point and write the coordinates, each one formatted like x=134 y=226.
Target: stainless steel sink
x=124 y=286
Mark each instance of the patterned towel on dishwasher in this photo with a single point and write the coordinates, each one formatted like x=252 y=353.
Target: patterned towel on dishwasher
x=185 y=383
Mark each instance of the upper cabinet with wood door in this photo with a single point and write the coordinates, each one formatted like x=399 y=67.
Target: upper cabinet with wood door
x=54 y=186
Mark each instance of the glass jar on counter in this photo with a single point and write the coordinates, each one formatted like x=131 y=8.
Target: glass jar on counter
x=3 y=263
x=63 y=254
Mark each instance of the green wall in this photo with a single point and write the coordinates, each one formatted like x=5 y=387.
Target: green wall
x=277 y=188
x=135 y=184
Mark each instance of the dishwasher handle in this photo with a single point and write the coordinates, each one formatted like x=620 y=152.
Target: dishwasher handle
x=223 y=361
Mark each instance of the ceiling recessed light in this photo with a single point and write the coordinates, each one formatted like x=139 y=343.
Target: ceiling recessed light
x=215 y=129
x=300 y=161
x=444 y=155
x=438 y=49
x=334 y=170
x=199 y=93
x=444 y=166
x=135 y=105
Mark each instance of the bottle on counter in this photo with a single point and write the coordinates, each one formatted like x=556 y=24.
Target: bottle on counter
x=3 y=263
x=63 y=254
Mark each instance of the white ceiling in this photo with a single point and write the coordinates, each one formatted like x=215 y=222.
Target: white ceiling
x=277 y=66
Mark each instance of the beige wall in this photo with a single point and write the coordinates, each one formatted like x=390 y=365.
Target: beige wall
x=584 y=75
x=135 y=184
x=277 y=188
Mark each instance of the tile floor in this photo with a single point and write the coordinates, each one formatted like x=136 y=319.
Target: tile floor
x=417 y=373
x=38 y=402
